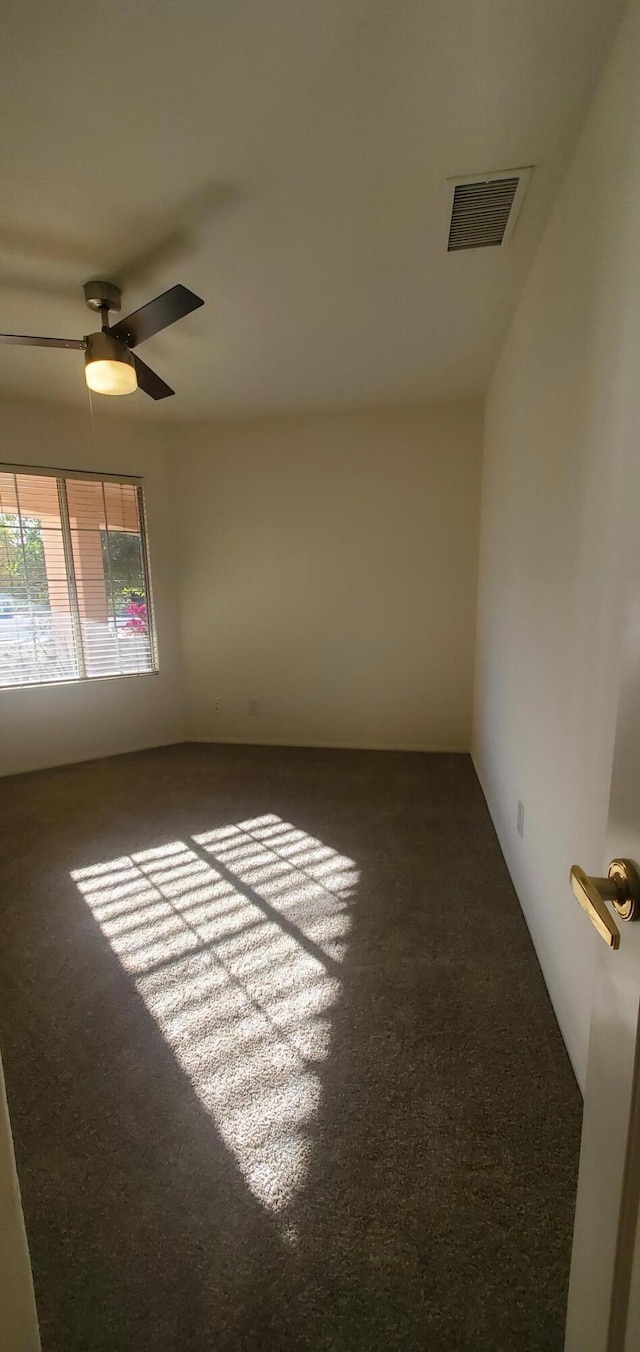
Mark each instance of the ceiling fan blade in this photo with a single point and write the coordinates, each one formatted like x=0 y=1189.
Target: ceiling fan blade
x=170 y=235
x=25 y=340
x=158 y=314
x=162 y=252
x=150 y=382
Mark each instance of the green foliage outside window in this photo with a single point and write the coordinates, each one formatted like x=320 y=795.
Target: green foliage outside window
x=22 y=563
x=122 y=564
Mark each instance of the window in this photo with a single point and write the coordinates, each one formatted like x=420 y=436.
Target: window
x=75 y=599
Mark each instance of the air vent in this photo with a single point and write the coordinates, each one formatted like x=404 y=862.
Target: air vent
x=484 y=209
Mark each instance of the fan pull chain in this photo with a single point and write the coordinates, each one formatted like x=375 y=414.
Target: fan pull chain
x=94 y=435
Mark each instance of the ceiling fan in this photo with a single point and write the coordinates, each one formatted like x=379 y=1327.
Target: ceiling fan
x=110 y=367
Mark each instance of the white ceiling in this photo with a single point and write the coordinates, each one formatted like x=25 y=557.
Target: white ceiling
x=287 y=160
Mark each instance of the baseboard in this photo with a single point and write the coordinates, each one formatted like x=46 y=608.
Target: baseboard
x=331 y=746
x=578 y=1069
x=84 y=760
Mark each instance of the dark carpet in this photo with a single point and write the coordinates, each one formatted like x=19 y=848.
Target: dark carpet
x=282 y=1069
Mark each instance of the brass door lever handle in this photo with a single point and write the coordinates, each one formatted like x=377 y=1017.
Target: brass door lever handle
x=621 y=888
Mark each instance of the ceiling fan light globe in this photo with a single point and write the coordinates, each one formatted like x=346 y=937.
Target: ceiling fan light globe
x=109 y=366
x=110 y=377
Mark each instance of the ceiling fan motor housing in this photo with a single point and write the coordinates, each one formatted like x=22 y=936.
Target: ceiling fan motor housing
x=104 y=347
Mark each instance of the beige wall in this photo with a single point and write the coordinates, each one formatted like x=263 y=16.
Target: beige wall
x=50 y=725
x=562 y=411
x=329 y=572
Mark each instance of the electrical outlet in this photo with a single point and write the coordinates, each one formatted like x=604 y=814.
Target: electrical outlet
x=520 y=817
x=253 y=706
x=217 y=706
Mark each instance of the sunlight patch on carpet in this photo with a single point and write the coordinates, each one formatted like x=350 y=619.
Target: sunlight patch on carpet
x=234 y=938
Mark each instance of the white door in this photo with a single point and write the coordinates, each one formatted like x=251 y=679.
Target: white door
x=604 y=1294
x=18 y=1320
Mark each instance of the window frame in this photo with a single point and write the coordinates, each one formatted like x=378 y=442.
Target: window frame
x=96 y=476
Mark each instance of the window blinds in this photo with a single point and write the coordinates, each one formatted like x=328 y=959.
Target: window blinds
x=74 y=578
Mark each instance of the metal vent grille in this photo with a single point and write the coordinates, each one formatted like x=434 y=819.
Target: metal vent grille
x=480 y=213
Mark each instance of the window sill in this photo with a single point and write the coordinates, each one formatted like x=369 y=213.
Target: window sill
x=81 y=680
